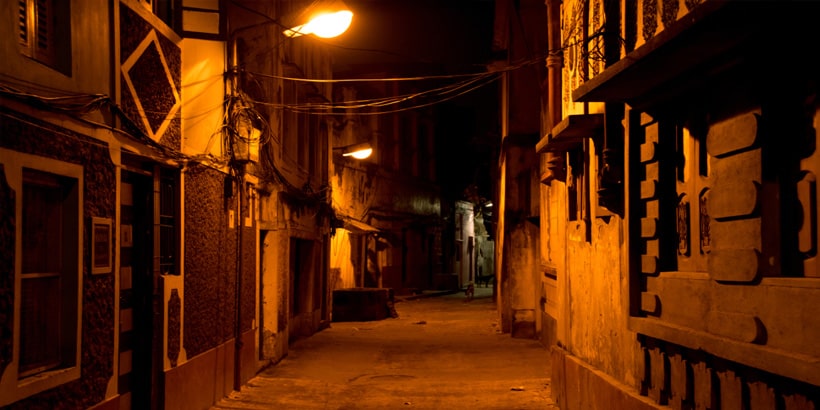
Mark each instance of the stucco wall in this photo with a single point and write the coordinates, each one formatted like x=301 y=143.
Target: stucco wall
x=524 y=281
x=596 y=282
x=274 y=296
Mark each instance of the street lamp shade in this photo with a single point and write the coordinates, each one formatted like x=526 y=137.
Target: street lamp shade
x=326 y=19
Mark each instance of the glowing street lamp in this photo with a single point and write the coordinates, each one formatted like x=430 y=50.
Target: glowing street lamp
x=358 y=151
x=361 y=154
x=325 y=25
x=325 y=19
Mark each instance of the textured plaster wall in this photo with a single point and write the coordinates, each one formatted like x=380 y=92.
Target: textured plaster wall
x=353 y=188
x=360 y=187
x=524 y=283
x=552 y=258
x=99 y=198
x=283 y=223
x=274 y=299
x=595 y=284
x=210 y=262
x=523 y=266
x=518 y=238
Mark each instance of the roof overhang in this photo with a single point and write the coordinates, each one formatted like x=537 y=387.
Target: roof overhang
x=716 y=37
x=571 y=132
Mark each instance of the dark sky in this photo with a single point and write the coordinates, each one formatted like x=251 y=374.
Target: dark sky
x=455 y=33
x=434 y=37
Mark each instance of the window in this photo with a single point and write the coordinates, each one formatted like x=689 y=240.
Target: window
x=201 y=19
x=44 y=32
x=47 y=307
x=169 y=11
x=168 y=228
x=578 y=185
x=692 y=206
x=49 y=279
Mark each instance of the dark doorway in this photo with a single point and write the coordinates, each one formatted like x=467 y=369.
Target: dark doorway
x=302 y=297
x=139 y=351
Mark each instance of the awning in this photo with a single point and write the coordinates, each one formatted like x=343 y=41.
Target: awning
x=356 y=226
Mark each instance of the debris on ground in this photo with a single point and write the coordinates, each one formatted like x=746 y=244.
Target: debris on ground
x=420 y=322
x=519 y=388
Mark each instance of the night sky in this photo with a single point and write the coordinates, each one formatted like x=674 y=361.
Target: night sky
x=457 y=33
x=434 y=37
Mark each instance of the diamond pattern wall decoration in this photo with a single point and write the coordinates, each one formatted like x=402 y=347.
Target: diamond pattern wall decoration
x=151 y=85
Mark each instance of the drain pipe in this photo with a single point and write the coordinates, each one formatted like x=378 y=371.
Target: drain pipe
x=237 y=375
x=555 y=62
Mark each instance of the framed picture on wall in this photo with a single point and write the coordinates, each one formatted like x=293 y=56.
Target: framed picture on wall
x=102 y=259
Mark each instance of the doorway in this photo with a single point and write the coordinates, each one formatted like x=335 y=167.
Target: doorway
x=304 y=292
x=140 y=350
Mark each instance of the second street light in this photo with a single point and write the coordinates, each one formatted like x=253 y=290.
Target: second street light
x=357 y=151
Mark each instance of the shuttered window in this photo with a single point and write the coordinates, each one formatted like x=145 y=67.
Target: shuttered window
x=48 y=306
x=167 y=226
x=44 y=32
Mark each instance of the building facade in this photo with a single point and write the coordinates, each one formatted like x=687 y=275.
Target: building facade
x=389 y=204
x=166 y=217
x=678 y=206
x=520 y=37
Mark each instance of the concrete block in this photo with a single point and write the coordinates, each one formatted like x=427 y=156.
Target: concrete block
x=362 y=304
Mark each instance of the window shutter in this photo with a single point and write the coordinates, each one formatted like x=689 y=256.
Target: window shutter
x=203 y=19
x=44 y=49
x=23 y=23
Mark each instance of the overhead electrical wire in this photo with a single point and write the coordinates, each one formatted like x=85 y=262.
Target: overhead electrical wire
x=442 y=91
x=439 y=94
x=511 y=67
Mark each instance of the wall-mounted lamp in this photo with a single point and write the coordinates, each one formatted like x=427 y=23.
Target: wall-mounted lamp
x=358 y=151
x=326 y=19
x=247 y=131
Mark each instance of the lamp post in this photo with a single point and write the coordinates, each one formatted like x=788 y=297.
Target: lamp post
x=324 y=19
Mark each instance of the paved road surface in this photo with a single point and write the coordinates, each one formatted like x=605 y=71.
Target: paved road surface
x=440 y=353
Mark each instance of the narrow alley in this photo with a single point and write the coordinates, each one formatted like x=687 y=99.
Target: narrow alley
x=440 y=353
